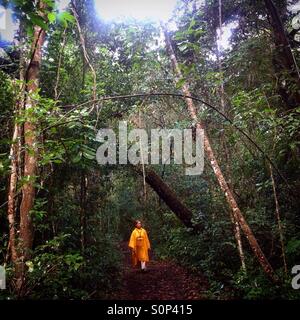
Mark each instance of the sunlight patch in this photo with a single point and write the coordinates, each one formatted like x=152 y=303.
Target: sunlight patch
x=155 y=10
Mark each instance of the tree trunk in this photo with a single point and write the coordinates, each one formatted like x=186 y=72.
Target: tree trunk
x=165 y=193
x=84 y=50
x=284 y=61
x=236 y=227
x=237 y=214
x=31 y=150
x=83 y=195
x=60 y=60
x=15 y=152
x=277 y=215
x=25 y=138
x=11 y=212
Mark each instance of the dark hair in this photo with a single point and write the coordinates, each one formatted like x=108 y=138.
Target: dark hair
x=136 y=222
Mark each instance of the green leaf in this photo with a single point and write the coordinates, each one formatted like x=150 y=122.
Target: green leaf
x=65 y=17
x=29 y=264
x=180 y=83
x=37 y=21
x=51 y=17
x=89 y=153
x=50 y=3
x=192 y=23
x=89 y=156
x=182 y=47
x=77 y=158
x=179 y=35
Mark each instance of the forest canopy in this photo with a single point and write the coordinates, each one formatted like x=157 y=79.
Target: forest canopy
x=220 y=75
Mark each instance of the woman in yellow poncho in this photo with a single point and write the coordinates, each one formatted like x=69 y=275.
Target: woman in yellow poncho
x=139 y=244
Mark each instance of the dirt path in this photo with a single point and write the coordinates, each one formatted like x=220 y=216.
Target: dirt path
x=164 y=281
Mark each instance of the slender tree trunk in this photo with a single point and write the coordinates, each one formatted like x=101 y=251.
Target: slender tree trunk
x=83 y=194
x=60 y=59
x=236 y=227
x=15 y=158
x=237 y=214
x=31 y=149
x=277 y=214
x=85 y=53
x=14 y=151
x=238 y=238
x=140 y=126
x=24 y=137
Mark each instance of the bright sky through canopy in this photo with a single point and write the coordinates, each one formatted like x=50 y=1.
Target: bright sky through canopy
x=138 y=9
x=8 y=26
x=62 y=5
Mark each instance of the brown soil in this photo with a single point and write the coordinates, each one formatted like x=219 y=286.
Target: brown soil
x=164 y=280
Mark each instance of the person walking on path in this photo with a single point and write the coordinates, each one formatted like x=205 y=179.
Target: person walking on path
x=139 y=244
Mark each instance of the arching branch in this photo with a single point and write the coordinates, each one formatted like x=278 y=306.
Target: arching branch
x=195 y=98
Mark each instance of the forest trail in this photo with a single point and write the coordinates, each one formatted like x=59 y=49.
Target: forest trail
x=164 y=280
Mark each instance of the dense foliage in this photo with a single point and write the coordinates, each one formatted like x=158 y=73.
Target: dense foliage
x=82 y=211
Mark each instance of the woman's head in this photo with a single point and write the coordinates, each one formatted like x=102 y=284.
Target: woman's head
x=138 y=224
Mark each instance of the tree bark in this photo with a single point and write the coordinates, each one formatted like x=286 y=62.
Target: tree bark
x=15 y=155
x=31 y=141
x=24 y=139
x=165 y=193
x=11 y=212
x=237 y=214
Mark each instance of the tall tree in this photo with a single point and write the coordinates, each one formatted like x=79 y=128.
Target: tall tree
x=236 y=227
x=284 y=61
x=237 y=214
x=26 y=104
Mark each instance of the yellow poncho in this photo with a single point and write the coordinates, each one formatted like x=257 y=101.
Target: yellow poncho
x=140 y=244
